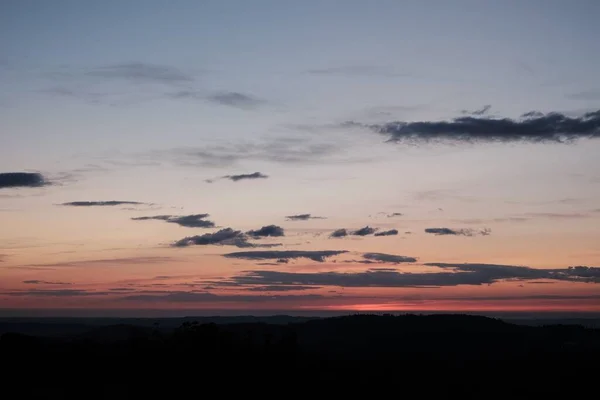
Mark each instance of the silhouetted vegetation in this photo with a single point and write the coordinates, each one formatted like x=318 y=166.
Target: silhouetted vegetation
x=408 y=356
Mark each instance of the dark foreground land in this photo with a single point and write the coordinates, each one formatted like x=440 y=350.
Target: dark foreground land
x=408 y=356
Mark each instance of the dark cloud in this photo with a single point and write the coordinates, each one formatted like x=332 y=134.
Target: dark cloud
x=39 y=282
x=198 y=297
x=269 y=230
x=189 y=221
x=525 y=297
x=495 y=272
x=391 y=232
x=396 y=214
x=302 y=217
x=532 y=127
x=454 y=275
x=141 y=73
x=224 y=237
x=255 y=175
x=338 y=233
x=122 y=289
x=318 y=255
x=101 y=203
x=481 y=111
x=235 y=99
x=458 y=232
x=388 y=258
x=280 y=288
x=21 y=180
x=367 y=230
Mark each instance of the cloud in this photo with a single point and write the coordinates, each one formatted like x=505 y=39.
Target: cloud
x=396 y=214
x=39 y=282
x=306 y=149
x=108 y=203
x=531 y=127
x=496 y=272
x=189 y=221
x=338 y=233
x=138 y=72
x=55 y=293
x=319 y=255
x=269 y=230
x=255 y=175
x=235 y=99
x=557 y=215
x=367 y=230
x=458 y=232
x=280 y=288
x=388 y=258
x=200 y=297
x=224 y=237
x=359 y=70
x=103 y=262
x=593 y=94
x=302 y=217
x=454 y=275
x=481 y=111
x=21 y=180
x=391 y=232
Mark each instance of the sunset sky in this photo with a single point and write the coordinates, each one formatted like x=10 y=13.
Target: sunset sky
x=464 y=133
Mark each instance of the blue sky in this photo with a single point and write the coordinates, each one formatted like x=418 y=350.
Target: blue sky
x=146 y=100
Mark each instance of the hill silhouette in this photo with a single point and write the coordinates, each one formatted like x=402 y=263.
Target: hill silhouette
x=410 y=355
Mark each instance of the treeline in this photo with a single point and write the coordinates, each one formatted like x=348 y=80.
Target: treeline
x=417 y=355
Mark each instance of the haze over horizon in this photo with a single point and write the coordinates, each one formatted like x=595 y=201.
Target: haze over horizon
x=315 y=155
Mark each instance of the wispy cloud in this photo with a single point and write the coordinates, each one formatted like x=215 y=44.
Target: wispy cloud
x=109 y=203
x=302 y=217
x=358 y=71
x=241 y=177
x=255 y=175
x=532 y=127
x=139 y=72
x=459 y=232
x=481 y=111
x=235 y=99
x=189 y=221
x=40 y=282
x=388 y=258
x=103 y=262
x=457 y=274
x=587 y=95
x=279 y=150
x=55 y=293
x=206 y=297
x=21 y=180
x=319 y=255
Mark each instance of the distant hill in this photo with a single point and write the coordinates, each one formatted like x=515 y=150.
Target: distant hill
x=429 y=355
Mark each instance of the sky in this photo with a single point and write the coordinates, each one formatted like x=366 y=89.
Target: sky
x=300 y=155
